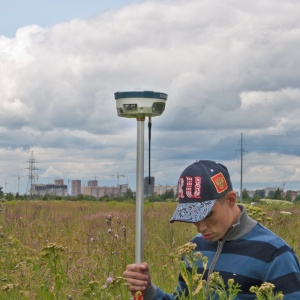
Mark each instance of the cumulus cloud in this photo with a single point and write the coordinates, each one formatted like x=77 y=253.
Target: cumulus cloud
x=227 y=68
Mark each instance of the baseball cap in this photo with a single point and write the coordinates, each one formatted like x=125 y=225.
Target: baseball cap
x=199 y=186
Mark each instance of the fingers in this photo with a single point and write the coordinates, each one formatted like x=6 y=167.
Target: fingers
x=138 y=276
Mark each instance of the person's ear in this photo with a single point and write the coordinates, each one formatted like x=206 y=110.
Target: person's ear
x=231 y=198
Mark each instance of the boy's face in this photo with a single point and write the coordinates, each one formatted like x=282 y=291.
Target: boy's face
x=218 y=221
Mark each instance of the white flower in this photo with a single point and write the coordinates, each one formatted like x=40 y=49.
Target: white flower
x=285 y=213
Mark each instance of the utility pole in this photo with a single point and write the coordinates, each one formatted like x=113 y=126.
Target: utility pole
x=285 y=182
x=242 y=150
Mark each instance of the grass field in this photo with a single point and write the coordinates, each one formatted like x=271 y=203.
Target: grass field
x=71 y=250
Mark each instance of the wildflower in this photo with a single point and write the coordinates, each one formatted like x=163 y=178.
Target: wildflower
x=9 y=287
x=265 y=291
x=182 y=250
x=230 y=281
x=123 y=228
x=92 y=239
x=138 y=294
x=108 y=220
x=109 y=230
x=285 y=213
x=116 y=236
x=109 y=280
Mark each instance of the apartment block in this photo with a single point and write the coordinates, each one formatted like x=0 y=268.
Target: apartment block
x=76 y=187
x=161 y=189
x=93 y=183
x=100 y=191
x=58 y=181
x=49 y=189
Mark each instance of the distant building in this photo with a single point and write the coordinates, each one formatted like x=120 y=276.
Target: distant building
x=251 y=193
x=111 y=191
x=90 y=191
x=291 y=194
x=93 y=183
x=269 y=191
x=161 y=189
x=76 y=187
x=123 y=188
x=58 y=181
x=149 y=186
x=100 y=191
x=49 y=189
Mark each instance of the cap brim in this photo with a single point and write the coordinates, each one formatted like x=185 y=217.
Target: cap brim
x=192 y=212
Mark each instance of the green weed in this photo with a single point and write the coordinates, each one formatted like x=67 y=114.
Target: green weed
x=79 y=250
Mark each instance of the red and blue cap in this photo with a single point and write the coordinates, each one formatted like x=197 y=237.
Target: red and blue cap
x=199 y=187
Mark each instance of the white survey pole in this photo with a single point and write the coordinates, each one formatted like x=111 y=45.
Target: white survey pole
x=139 y=236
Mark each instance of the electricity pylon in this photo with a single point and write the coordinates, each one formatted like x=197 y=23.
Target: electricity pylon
x=31 y=174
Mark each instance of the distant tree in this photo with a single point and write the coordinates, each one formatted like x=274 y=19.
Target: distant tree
x=1 y=192
x=297 y=198
x=256 y=198
x=245 y=195
x=288 y=196
x=271 y=195
x=9 y=196
x=128 y=194
x=168 y=194
x=277 y=194
x=260 y=193
x=104 y=198
x=46 y=197
x=154 y=198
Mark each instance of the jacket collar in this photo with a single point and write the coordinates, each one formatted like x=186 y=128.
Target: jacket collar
x=243 y=225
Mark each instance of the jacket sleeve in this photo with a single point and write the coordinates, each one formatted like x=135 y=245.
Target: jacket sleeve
x=155 y=293
x=284 y=273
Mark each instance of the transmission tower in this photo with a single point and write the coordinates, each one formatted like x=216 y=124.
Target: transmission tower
x=31 y=174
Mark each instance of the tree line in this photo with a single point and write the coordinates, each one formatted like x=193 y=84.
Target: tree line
x=274 y=195
x=168 y=196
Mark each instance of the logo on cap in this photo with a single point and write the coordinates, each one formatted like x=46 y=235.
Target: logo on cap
x=220 y=182
x=192 y=187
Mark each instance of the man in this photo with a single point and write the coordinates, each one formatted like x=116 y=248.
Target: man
x=236 y=246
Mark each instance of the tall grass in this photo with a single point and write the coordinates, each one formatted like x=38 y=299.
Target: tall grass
x=72 y=250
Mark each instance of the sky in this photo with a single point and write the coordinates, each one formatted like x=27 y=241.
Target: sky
x=231 y=70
